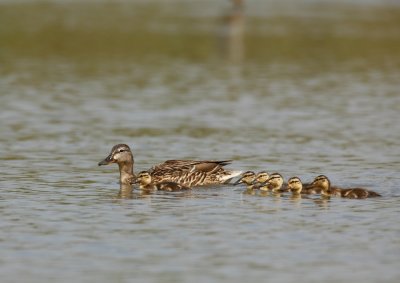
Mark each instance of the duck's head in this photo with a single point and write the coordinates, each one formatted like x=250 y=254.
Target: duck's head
x=295 y=185
x=143 y=178
x=120 y=153
x=247 y=178
x=322 y=182
x=261 y=177
x=276 y=180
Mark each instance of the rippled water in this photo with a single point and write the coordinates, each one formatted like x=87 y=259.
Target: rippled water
x=332 y=111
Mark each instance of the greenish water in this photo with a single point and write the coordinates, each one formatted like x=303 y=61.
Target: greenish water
x=299 y=88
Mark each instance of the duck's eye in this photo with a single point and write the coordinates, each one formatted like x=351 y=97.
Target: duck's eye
x=121 y=150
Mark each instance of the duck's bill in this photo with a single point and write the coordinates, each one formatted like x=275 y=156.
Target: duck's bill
x=106 y=161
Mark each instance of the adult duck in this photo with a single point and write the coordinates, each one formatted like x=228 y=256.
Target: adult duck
x=186 y=172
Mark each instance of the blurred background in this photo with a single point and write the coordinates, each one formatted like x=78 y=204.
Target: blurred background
x=302 y=87
x=324 y=33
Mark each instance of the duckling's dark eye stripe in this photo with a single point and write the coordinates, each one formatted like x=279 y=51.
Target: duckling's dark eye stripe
x=274 y=177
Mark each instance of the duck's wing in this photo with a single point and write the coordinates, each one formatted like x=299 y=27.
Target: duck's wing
x=209 y=166
x=182 y=176
x=193 y=172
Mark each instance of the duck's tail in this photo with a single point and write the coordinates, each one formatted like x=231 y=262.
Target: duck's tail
x=229 y=175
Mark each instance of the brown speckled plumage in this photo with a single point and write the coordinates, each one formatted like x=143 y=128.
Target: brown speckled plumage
x=146 y=183
x=187 y=172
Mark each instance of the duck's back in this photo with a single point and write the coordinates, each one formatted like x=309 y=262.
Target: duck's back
x=193 y=172
x=358 y=193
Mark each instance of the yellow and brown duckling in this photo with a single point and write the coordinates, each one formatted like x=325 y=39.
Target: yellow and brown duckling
x=295 y=186
x=145 y=184
x=188 y=172
x=260 y=178
x=322 y=185
x=247 y=178
x=310 y=189
x=327 y=190
x=273 y=184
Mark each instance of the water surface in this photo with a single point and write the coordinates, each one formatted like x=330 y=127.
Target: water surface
x=314 y=90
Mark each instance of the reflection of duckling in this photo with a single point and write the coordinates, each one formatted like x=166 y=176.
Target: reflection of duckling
x=146 y=184
x=295 y=185
x=327 y=190
x=274 y=183
x=247 y=178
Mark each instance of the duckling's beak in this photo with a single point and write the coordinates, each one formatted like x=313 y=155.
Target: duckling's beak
x=239 y=181
x=107 y=160
x=266 y=183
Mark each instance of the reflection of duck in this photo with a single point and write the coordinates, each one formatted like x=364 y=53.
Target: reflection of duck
x=324 y=183
x=295 y=186
x=188 y=172
x=231 y=33
x=145 y=183
x=246 y=178
x=274 y=184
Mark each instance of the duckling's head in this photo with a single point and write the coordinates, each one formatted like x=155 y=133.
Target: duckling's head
x=261 y=177
x=120 y=153
x=276 y=180
x=322 y=182
x=143 y=178
x=295 y=185
x=247 y=178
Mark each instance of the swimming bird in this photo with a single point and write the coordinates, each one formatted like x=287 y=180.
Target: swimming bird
x=187 y=172
x=295 y=185
x=327 y=190
x=260 y=178
x=144 y=180
x=274 y=184
x=246 y=178
x=310 y=189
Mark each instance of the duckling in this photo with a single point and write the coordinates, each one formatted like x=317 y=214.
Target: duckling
x=310 y=189
x=274 y=183
x=260 y=178
x=247 y=178
x=188 y=172
x=295 y=185
x=145 y=183
x=322 y=185
x=327 y=190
